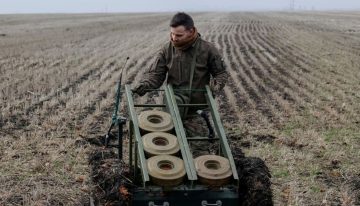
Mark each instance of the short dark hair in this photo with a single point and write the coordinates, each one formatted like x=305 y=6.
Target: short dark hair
x=182 y=19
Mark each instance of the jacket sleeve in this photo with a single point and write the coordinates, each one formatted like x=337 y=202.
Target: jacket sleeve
x=217 y=67
x=155 y=75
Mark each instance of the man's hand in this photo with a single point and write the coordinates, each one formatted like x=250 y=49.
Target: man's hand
x=216 y=87
x=140 y=89
x=218 y=82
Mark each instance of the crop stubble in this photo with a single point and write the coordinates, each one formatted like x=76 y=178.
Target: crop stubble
x=294 y=78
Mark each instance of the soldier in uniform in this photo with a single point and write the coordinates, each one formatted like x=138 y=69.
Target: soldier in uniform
x=188 y=62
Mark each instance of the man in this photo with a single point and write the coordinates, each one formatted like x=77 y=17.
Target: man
x=188 y=62
x=176 y=57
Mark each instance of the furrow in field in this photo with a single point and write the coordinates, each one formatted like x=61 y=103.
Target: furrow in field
x=279 y=88
x=316 y=77
x=244 y=82
x=243 y=101
x=267 y=86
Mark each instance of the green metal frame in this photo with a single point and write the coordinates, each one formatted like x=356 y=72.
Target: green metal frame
x=180 y=132
x=221 y=132
x=136 y=149
x=139 y=148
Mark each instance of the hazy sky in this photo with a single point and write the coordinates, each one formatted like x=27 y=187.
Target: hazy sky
x=70 y=6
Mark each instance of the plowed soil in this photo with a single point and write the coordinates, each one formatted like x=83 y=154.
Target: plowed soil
x=293 y=99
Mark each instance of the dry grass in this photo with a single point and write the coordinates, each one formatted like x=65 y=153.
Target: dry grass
x=293 y=98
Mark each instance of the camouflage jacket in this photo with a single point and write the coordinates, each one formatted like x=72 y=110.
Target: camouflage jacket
x=175 y=64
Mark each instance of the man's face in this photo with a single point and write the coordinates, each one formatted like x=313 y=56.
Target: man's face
x=180 y=34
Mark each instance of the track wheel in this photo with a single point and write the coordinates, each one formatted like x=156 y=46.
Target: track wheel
x=254 y=181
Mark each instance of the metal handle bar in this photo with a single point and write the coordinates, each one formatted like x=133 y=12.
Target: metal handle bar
x=205 y=203
x=164 y=204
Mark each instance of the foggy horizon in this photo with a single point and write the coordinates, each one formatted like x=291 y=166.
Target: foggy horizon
x=145 y=6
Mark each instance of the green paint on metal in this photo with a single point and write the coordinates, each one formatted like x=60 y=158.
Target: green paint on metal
x=139 y=148
x=182 y=135
x=221 y=132
x=180 y=196
x=130 y=143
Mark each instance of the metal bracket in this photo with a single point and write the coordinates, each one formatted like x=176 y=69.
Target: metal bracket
x=138 y=144
x=164 y=204
x=217 y=203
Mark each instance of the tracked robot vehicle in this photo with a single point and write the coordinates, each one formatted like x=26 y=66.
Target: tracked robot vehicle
x=161 y=168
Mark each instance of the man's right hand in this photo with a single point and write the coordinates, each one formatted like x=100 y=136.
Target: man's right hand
x=216 y=87
x=140 y=89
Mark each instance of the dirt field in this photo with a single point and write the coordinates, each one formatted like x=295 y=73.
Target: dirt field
x=293 y=98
